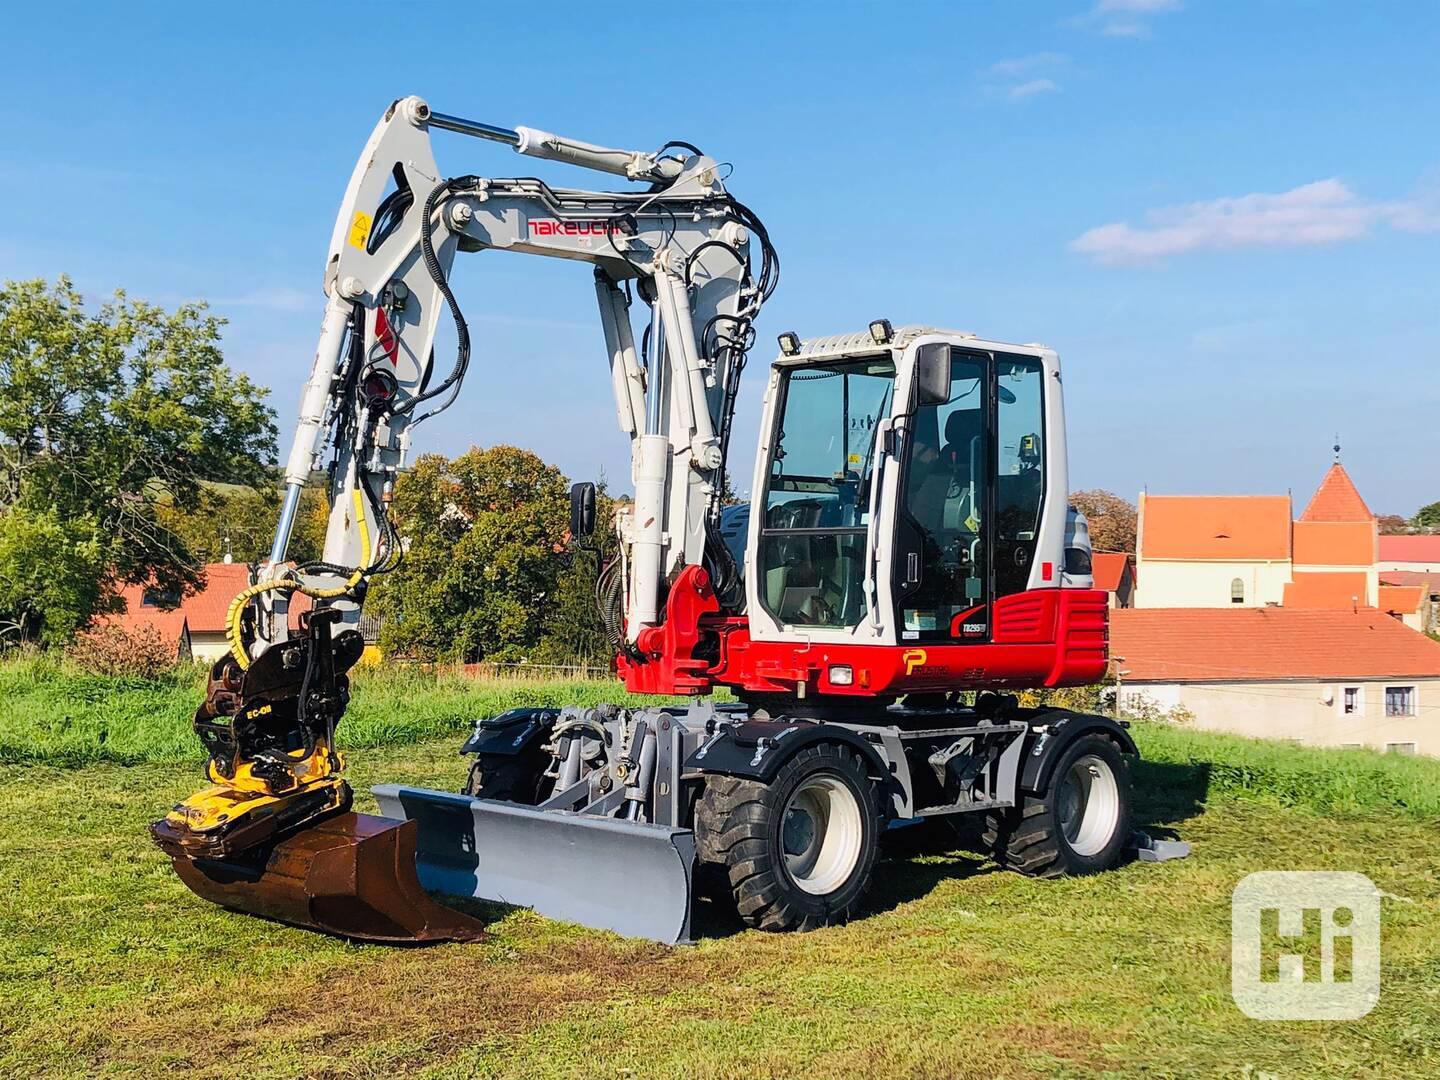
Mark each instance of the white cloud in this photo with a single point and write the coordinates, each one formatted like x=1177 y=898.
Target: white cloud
x=1125 y=18
x=1021 y=66
x=1024 y=77
x=1031 y=88
x=1325 y=212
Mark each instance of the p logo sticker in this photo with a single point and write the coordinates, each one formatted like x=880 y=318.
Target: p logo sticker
x=912 y=659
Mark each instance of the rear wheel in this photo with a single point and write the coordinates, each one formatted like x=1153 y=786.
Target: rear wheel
x=796 y=853
x=505 y=778
x=1078 y=825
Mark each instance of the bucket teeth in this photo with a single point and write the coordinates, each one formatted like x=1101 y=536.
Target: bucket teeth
x=351 y=875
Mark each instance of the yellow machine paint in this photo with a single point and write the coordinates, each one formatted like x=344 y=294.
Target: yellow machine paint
x=302 y=786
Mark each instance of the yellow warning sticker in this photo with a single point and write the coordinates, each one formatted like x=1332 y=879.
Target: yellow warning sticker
x=360 y=229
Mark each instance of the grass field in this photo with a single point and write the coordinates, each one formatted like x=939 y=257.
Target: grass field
x=109 y=966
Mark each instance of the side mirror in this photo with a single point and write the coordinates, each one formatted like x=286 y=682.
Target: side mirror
x=582 y=510
x=932 y=374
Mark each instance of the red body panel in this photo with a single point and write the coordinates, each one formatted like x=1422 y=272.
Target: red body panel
x=1045 y=637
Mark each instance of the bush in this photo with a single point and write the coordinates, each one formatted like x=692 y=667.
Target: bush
x=113 y=650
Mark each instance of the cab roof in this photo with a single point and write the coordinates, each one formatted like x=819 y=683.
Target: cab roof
x=860 y=343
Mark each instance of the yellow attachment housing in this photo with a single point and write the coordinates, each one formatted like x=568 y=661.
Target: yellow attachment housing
x=308 y=769
x=219 y=821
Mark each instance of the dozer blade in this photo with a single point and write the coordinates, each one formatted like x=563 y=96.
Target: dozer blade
x=352 y=875
x=625 y=876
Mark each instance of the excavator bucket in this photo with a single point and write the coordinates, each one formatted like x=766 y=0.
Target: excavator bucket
x=627 y=876
x=351 y=875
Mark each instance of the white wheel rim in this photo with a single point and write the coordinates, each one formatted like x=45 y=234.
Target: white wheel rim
x=1089 y=805
x=821 y=833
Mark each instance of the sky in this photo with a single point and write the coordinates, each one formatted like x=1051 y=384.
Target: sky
x=1225 y=216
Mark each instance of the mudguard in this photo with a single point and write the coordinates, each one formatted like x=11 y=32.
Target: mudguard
x=1043 y=749
x=755 y=749
x=511 y=732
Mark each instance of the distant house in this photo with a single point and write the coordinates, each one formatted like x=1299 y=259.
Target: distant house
x=1245 y=551
x=1319 y=677
x=146 y=610
x=1412 y=554
x=1412 y=597
x=197 y=623
x=1115 y=573
x=1212 y=550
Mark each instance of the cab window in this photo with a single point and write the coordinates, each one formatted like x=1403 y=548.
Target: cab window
x=812 y=541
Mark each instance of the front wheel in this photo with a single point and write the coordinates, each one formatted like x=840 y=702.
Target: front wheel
x=1078 y=825
x=797 y=852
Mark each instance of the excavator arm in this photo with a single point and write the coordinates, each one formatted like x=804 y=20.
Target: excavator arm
x=679 y=248
x=676 y=245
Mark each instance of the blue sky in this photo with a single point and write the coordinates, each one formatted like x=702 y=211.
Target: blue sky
x=1225 y=216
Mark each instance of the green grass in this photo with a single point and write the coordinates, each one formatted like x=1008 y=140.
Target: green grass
x=52 y=714
x=1328 y=780
x=109 y=966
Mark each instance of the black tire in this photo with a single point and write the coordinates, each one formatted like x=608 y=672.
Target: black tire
x=1041 y=837
x=505 y=778
x=740 y=831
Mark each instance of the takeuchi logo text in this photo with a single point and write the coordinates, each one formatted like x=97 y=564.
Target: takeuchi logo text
x=549 y=227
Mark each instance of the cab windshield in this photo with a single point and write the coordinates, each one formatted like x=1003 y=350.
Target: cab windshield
x=812 y=544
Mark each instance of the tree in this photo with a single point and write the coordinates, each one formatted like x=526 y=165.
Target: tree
x=240 y=522
x=1112 y=519
x=104 y=419
x=483 y=534
x=574 y=632
x=1427 y=517
x=1392 y=525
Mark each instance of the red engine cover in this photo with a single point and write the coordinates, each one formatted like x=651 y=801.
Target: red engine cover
x=1045 y=637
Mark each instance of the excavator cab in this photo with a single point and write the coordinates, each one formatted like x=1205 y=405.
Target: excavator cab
x=912 y=492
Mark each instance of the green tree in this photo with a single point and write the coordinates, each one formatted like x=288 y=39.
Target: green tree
x=1112 y=520
x=104 y=419
x=241 y=521
x=483 y=536
x=574 y=632
x=1427 y=517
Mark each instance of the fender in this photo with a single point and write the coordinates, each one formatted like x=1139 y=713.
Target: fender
x=1044 y=748
x=511 y=733
x=756 y=749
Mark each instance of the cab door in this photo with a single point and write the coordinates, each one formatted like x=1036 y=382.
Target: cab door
x=941 y=574
x=969 y=498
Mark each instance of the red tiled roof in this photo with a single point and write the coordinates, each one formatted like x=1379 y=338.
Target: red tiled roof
x=1337 y=499
x=170 y=625
x=1428 y=580
x=205 y=611
x=1401 y=599
x=1345 y=590
x=1266 y=644
x=1420 y=549
x=1334 y=543
x=1109 y=569
x=1214 y=527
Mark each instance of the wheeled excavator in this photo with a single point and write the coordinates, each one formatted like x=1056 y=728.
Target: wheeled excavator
x=907 y=562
